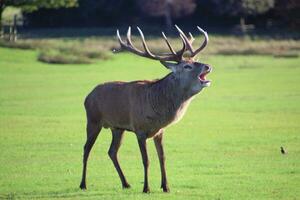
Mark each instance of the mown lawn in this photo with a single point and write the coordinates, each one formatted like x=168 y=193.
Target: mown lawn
x=226 y=147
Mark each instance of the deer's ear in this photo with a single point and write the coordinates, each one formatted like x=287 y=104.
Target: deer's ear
x=169 y=65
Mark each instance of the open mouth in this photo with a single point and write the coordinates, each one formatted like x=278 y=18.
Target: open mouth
x=202 y=77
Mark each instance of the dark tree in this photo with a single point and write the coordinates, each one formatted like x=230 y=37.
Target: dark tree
x=107 y=12
x=242 y=8
x=168 y=9
x=31 y=5
x=289 y=11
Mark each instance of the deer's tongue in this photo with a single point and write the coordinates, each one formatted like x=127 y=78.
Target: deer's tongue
x=203 y=76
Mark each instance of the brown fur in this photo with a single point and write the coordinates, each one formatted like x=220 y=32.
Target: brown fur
x=139 y=106
x=145 y=107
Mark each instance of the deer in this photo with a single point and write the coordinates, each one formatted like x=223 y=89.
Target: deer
x=145 y=107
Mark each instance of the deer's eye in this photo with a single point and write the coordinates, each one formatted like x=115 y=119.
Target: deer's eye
x=188 y=67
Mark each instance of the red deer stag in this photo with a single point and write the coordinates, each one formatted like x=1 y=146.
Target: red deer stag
x=145 y=107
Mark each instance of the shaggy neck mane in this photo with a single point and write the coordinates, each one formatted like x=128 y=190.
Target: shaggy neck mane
x=166 y=95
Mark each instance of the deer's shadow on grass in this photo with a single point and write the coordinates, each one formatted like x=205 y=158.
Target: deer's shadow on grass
x=66 y=193
x=78 y=193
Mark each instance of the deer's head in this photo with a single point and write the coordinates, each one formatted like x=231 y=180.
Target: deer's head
x=190 y=73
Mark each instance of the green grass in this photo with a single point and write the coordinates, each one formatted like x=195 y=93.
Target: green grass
x=226 y=147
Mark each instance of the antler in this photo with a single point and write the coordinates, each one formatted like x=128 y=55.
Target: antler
x=173 y=56
x=190 y=41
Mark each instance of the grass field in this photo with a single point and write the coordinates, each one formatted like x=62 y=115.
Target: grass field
x=226 y=147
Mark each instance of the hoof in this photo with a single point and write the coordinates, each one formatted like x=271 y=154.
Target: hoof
x=165 y=188
x=146 y=190
x=126 y=186
x=82 y=186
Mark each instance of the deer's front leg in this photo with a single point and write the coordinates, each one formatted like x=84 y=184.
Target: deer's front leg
x=143 y=149
x=158 y=140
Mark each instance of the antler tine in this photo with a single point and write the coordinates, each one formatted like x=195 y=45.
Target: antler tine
x=178 y=53
x=168 y=43
x=131 y=47
x=122 y=43
x=129 y=35
x=191 y=38
x=144 y=42
x=187 y=42
x=181 y=52
x=205 y=42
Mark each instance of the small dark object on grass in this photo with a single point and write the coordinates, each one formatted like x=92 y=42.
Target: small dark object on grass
x=283 y=151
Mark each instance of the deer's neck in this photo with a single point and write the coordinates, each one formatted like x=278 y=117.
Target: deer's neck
x=168 y=99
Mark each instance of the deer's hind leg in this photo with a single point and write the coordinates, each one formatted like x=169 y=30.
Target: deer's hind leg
x=93 y=129
x=117 y=136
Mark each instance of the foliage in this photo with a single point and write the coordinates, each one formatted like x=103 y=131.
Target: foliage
x=226 y=147
x=71 y=56
x=65 y=51
x=106 y=12
x=243 y=7
x=177 y=8
x=9 y=13
x=58 y=57
x=289 y=10
x=167 y=8
x=128 y=12
x=31 y=5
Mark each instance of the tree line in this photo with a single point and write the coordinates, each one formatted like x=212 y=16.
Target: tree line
x=62 y=13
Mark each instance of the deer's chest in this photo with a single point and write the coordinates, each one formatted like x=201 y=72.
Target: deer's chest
x=170 y=115
x=179 y=113
x=151 y=118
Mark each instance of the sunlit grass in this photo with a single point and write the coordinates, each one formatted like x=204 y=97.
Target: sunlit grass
x=226 y=147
